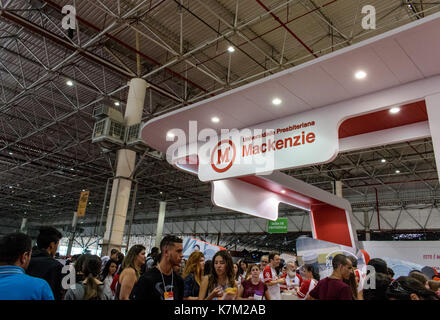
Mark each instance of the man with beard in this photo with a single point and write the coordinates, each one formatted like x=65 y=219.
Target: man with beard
x=162 y=282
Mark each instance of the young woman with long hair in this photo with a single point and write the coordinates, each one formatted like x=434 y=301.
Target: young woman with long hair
x=131 y=268
x=192 y=275
x=108 y=273
x=221 y=282
x=253 y=288
x=90 y=288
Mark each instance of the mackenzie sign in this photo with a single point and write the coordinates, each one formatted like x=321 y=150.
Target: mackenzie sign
x=295 y=141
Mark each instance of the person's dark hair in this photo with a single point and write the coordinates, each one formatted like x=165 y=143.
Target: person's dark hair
x=353 y=260
x=91 y=268
x=113 y=251
x=79 y=267
x=419 y=276
x=106 y=269
x=120 y=258
x=351 y=281
x=208 y=267
x=311 y=268
x=12 y=246
x=169 y=240
x=197 y=246
x=47 y=236
x=240 y=269
x=382 y=283
x=213 y=277
x=379 y=265
x=338 y=260
x=154 y=251
x=403 y=287
x=272 y=255
x=237 y=275
x=390 y=272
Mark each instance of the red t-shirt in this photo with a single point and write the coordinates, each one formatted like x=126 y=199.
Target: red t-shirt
x=249 y=289
x=306 y=286
x=331 y=289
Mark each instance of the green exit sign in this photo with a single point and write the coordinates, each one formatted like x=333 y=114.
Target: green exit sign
x=278 y=226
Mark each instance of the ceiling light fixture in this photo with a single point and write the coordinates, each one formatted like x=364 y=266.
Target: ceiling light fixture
x=117 y=103
x=383 y=161
x=397 y=171
x=69 y=83
x=11 y=153
x=277 y=101
x=395 y=110
x=231 y=49
x=215 y=119
x=360 y=75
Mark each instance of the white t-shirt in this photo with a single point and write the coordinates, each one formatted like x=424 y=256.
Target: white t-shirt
x=269 y=275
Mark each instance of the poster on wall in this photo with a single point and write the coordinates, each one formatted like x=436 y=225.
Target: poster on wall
x=208 y=249
x=320 y=254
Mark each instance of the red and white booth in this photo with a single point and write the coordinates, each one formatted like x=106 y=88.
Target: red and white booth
x=305 y=116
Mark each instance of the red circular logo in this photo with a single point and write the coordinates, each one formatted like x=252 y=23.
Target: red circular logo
x=223 y=156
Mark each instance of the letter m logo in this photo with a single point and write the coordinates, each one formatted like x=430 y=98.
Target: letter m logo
x=223 y=155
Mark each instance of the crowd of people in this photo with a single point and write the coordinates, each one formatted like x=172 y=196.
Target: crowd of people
x=28 y=273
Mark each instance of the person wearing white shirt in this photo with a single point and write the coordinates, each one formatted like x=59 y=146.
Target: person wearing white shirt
x=271 y=278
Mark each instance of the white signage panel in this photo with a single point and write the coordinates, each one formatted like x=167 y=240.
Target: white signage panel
x=295 y=141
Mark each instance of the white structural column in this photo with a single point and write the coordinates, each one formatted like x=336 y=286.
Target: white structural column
x=338 y=188
x=126 y=161
x=367 y=226
x=23 y=225
x=433 y=108
x=160 y=222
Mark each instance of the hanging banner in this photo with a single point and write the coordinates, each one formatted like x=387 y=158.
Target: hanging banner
x=208 y=249
x=82 y=203
x=278 y=226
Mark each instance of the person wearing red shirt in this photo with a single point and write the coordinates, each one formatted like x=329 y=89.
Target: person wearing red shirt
x=271 y=278
x=311 y=280
x=333 y=288
x=292 y=279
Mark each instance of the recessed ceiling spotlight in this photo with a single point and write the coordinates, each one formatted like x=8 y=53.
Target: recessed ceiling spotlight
x=395 y=110
x=10 y=187
x=117 y=103
x=231 y=49
x=139 y=202
x=277 y=101
x=397 y=171
x=69 y=83
x=383 y=160
x=54 y=196
x=11 y=153
x=161 y=192
x=360 y=75
x=215 y=119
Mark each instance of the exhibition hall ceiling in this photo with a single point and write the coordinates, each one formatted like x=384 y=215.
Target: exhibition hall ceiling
x=46 y=154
